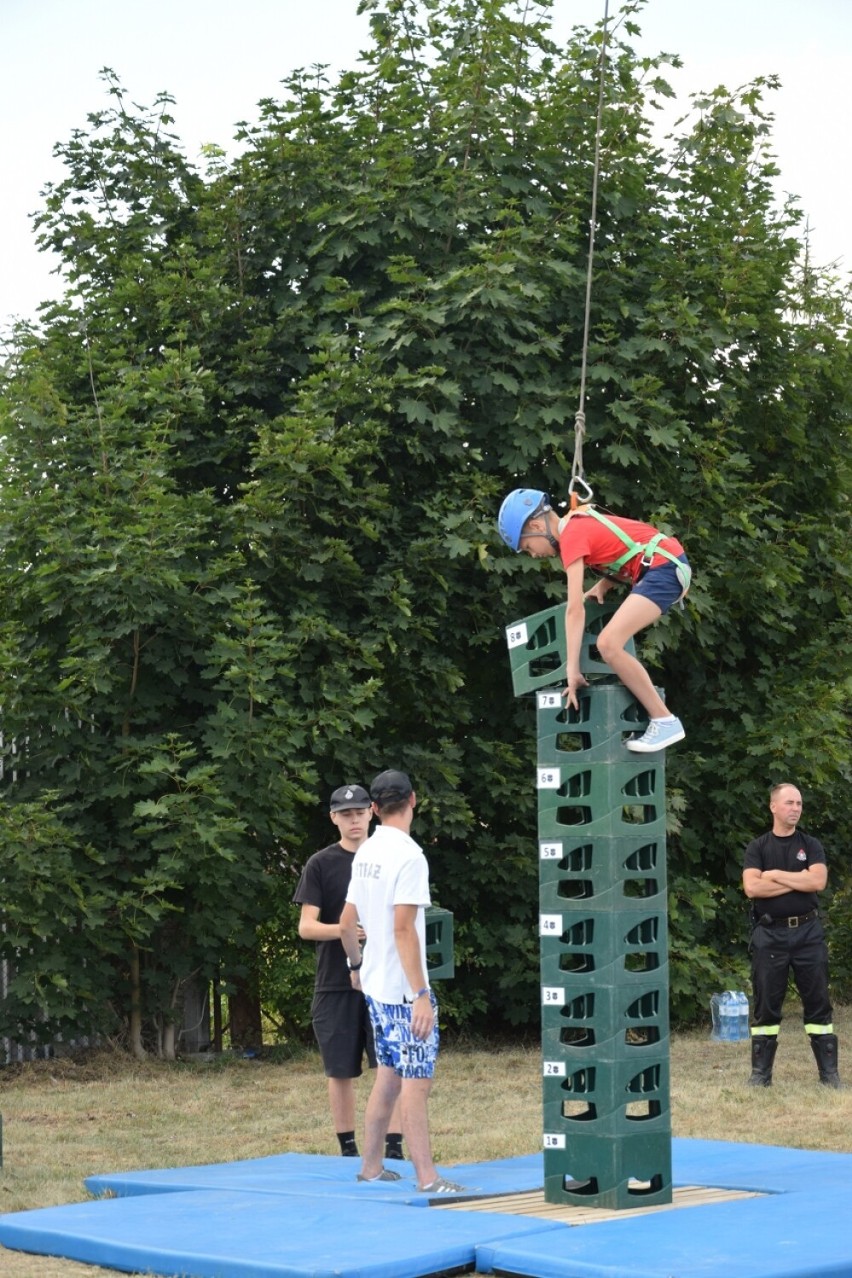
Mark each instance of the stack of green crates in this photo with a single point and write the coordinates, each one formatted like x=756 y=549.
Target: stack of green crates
x=603 y=929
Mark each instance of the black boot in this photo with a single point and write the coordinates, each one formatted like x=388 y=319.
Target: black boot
x=825 y=1050
x=763 y=1049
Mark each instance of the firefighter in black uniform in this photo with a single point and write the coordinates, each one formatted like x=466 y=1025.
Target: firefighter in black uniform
x=783 y=871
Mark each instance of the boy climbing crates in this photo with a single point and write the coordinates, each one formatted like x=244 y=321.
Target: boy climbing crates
x=624 y=551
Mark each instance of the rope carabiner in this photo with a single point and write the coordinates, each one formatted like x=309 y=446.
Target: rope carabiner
x=579 y=499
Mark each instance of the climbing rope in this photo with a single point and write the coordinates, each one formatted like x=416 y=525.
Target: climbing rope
x=578 y=490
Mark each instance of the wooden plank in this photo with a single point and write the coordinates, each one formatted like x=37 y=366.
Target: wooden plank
x=532 y=1203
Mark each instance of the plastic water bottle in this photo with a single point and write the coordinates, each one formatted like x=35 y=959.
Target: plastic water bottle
x=742 y=1017
x=729 y=1015
x=716 y=1021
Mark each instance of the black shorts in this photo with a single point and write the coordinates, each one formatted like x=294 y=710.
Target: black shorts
x=344 y=1033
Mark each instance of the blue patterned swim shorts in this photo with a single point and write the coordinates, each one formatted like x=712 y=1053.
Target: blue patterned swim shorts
x=396 y=1046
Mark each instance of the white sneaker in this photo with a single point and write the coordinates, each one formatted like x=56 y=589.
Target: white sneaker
x=657 y=736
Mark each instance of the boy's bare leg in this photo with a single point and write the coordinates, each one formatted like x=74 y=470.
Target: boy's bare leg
x=341 y=1096
x=635 y=614
x=414 y=1098
x=386 y=1090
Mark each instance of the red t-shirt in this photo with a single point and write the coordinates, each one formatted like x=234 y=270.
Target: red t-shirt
x=585 y=537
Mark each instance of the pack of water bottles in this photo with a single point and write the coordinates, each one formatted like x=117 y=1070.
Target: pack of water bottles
x=729 y=1012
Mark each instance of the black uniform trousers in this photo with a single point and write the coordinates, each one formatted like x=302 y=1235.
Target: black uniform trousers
x=776 y=951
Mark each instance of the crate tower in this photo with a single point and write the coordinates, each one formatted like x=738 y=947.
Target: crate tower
x=602 y=927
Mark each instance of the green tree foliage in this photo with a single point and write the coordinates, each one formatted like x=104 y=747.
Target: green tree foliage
x=251 y=469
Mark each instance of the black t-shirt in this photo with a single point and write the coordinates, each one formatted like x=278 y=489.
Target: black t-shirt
x=789 y=852
x=324 y=883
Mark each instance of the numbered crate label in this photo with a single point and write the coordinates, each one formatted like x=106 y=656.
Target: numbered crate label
x=553 y=1069
x=552 y=996
x=548 y=779
x=549 y=700
x=550 y=851
x=550 y=925
x=553 y=1140
x=517 y=634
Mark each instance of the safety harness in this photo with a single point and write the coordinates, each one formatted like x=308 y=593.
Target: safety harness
x=683 y=571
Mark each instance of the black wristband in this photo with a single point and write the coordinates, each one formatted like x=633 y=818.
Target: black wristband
x=355 y=967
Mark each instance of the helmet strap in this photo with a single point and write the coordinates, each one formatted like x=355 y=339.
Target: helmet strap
x=542 y=513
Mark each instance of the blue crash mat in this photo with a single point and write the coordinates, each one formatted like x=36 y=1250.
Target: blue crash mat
x=319 y=1223
x=305 y=1173
x=772 y=1169
x=802 y=1236
x=224 y=1234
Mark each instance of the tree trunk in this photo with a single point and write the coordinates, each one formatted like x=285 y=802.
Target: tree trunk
x=217 y=1014
x=169 y=1041
x=245 y=1019
x=136 y=1046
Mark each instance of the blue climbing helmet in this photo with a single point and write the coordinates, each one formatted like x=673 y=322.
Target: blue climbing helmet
x=517 y=508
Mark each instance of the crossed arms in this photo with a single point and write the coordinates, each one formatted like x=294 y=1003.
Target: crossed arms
x=759 y=884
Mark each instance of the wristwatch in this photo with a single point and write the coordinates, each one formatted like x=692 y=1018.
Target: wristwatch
x=355 y=967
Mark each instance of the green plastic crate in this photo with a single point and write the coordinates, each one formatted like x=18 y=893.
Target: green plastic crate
x=537 y=652
x=440 y=959
x=616 y=1172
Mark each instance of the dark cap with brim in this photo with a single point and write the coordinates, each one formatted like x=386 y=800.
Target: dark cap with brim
x=390 y=787
x=349 y=796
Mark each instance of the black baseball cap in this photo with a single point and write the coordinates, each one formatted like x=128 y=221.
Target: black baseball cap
x=390 y=787
x=349 y=796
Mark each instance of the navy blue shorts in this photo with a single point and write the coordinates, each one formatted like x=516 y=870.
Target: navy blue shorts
x=662 y=585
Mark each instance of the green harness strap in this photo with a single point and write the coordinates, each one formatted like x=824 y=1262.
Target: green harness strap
x=683 y=571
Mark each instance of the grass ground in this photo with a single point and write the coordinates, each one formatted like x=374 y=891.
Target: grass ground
x=64 y=1120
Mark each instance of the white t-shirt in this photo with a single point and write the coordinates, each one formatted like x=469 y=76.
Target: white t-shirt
x=388 y=869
